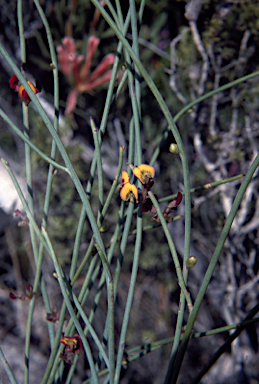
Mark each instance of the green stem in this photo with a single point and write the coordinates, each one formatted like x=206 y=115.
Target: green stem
x=52 y=154
x=27 y=141
x=187 y=107
x=203 y=187
x=28 y=167
x=129 y=298
x=69 y=306
x=7 y=368
x=172 y=249
x=142 y=350
x=110 y=291
x=24 y=203
x=226 y=345
x=100 y=221
x=211 y=268
x=103 y=125
x=99 y=165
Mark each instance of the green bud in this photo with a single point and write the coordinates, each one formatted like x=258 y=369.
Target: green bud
x=174 y=149
x=191 y=262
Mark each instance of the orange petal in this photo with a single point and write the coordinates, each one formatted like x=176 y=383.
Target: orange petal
x=24 y=95
x=144 y=173
x=129 y=192
x=124 y=177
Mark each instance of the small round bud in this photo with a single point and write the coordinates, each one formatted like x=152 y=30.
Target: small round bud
x=104 y=227
x=174 y=149
x=191 y=262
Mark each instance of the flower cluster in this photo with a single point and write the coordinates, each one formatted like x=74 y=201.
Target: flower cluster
x=129 y=192
x=73 y=345
x=14 y=84
x=77 y=68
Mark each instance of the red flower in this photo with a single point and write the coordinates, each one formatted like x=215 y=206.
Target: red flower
x=73 y=345
x=14 y=84
x=72 y=66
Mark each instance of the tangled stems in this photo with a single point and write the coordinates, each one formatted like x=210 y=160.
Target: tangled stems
x=211 y=267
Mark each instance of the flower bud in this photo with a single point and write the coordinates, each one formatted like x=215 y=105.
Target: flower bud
x=191 y=262
x=174 y=148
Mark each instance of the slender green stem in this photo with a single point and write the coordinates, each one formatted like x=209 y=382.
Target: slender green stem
x=187 y=107
x=7 y=368
x=172 y=249
x=135 y=47
x=27 y=141
x=203 y=187
x=24 y=203
x=211 y=267
x=129 y=298
x=70 y=307
x=99 y=164
x=116 y=234
x=54 y=356
x=103 y=213
x=112 y=10
x=30 y=314
x=149 y=347
x=89 y=327
x=142 y=350
x=134 y=86
x=53 y=156
x=240 y=80
x=28 y=167
x=91 y=274
x=226 y=345
x=103 y=125
x=110 y=293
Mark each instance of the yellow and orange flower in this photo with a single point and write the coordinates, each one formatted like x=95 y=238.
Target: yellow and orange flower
x=129 y=192
x=14 y=84
x=145 y=173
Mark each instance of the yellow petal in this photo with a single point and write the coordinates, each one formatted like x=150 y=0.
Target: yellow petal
x=129 y=192
x=124 y=177
x=144 y=173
